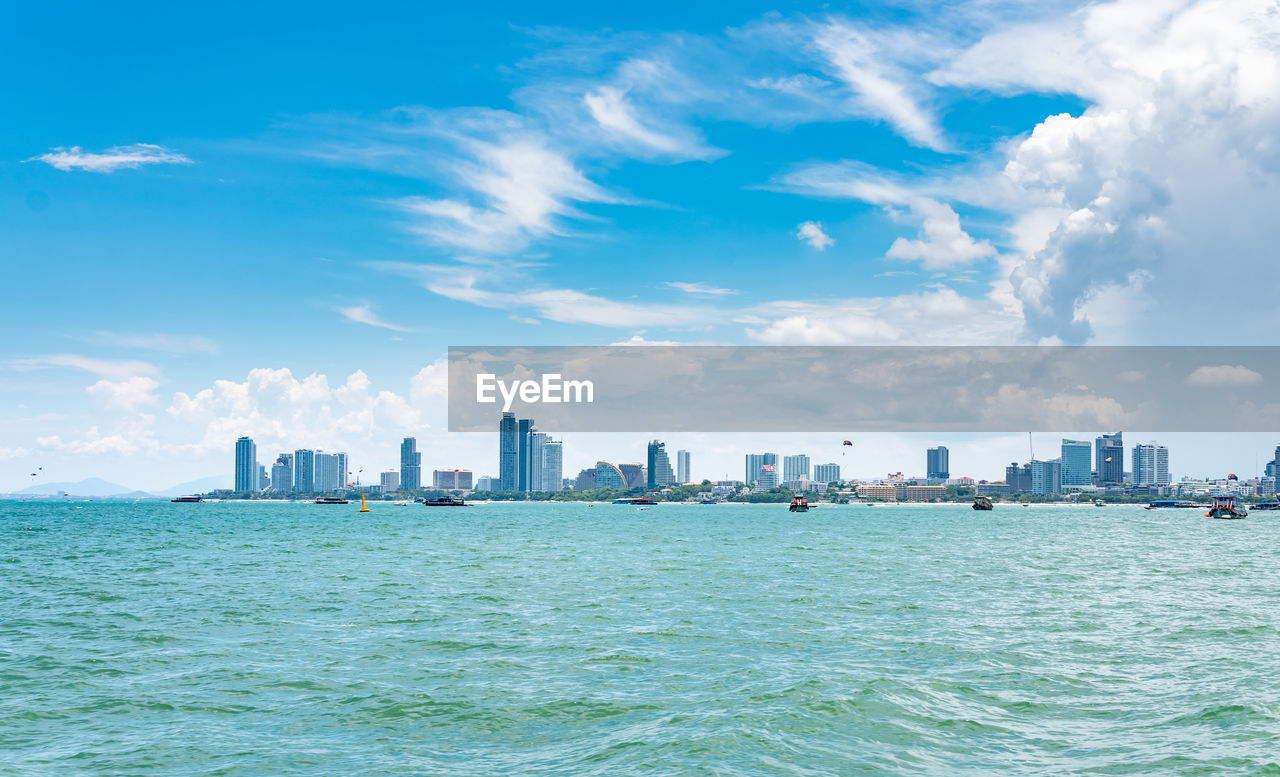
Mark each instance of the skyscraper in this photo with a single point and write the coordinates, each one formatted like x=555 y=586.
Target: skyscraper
x=326 y=472
x=683 y=474
x=410 y=465
x=1109 y=459
x=536 y=442
x=660 y=474
x=1151 y=465
x=1018 y=478
x=552 y=465
x=524 y=430
x=390 y=481
x=344 y=469
x=609 y=476
x=795 y=466
x=304 y=471
x=282 y=474
x=508 y=452
x=757 y=460
x=768 y=477
x=246 y=465
x=826 y=473
x=1077 y=462
x=1046 y=477
x=634 y=474
x=938 y=463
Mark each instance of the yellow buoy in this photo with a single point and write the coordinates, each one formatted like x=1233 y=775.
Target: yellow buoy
x=363 y=507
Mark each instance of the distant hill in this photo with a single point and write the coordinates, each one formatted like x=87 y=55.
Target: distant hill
x=86 y=487
x=201 y=486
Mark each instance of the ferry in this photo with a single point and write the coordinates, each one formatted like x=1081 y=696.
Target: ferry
x=1273 y=505
x=981 y=502
x=331 y=500
x=635 y=500
x=1225 y=507
x=445 y=501
x=186 y=499
x=799 y=504
x=1156 y=504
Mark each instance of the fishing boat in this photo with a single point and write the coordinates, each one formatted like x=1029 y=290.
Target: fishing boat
x=799 y=504
x=331 y=500
x=445 y=501
x=1226 y=507
x=186 y=499
x=981 y=502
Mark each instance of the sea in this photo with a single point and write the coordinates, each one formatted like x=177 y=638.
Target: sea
x=253 y=638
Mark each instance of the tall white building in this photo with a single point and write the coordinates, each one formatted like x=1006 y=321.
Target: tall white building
x=1151 y=465
x=246 y=465
x=282 y=474
x=390 y=480
x=768 y=477
x=794 y=467
x=537 y=444
x=826 y=473
x=682 y=467
x=552 y=464
x=754 y=463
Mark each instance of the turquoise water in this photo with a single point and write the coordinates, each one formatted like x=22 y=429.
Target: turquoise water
x=295 y=639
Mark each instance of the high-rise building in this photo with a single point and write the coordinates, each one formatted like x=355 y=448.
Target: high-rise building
x=410 y=465
x=1018 y=478
x=536 y=442
x=938 y=463
x=451 y=479
x=264 y=482
x=634 y=473
x=486 y=483
x=768 y=477
x=508 y=453
x=326 y=469
x=246 y=465
x=1151 y=465
x=826 y=473
x=660 y=474
x=683 y=472
x=1077 y=462
x=1109 y=459
x=609 y=476
x=793 y=467
x=552 y=465
x=524 y=431
x=586 y=479
x=304 y=471
x=282 y=474
x=344 y=469
x=755 y=461
x=1046 y=477
x=390 y=481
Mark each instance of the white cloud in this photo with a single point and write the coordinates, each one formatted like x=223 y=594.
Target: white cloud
x=811 y=232
x=1224 y=375
x=362 y=314
x=111 y=160
x=699 y=288
x=105 y=368
x=125 y=395
x=156 y=341
x=943 y=243
x=610 y=109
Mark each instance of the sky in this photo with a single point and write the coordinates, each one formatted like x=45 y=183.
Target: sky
x=274 y=220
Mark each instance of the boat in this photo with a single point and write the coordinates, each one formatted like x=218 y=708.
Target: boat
x=981 y=502
x=1099 y=503
x=331 y=500
x=799 y=504
x=635 y=500
x=1226 y=507
x=444 y=501
x=1157 y=504
x=186 y=499
x=1267 y=506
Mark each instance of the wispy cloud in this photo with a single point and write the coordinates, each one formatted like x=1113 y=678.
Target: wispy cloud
x=104 y=368
x=155 y=341
x=111 y=160
x=699 y=288
x=363 y=314
x=811 y=233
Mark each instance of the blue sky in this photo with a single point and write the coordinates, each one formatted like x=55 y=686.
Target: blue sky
x=197 y=200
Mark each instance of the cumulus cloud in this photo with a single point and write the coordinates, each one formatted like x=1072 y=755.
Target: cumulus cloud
x=112 y=159
x=1224 y=375
x=942 y=243
x=811 y=233
x=125 y=395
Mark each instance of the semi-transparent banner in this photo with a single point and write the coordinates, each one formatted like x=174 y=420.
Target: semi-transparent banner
x=857 y=388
